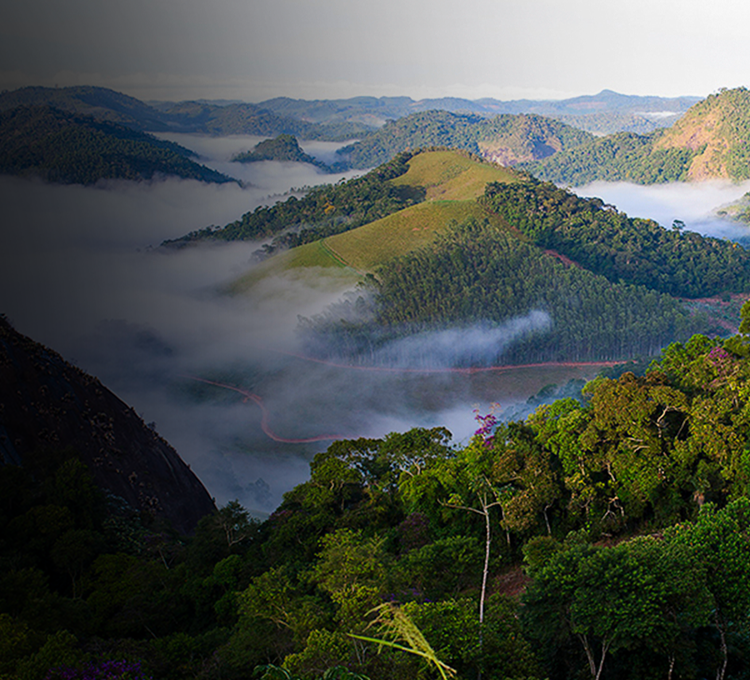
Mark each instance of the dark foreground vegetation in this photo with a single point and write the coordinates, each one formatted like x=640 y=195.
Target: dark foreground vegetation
x=603 y=537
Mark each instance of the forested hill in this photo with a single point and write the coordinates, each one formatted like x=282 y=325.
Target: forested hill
x=69 y=148
x=623 y=249
x=506 y=139
x=710 y=141
x=281 y=148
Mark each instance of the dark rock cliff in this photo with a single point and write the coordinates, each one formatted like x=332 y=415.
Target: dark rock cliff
x=46 y=403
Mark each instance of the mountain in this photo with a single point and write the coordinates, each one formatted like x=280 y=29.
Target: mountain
x=709 y=142
x=505 y=139
x=76 y=149
x=47 y=405
x=194 y=117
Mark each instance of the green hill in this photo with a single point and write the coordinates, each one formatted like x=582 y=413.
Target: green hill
x=75 y=149
x=507 y=139
x=281 y=148
x=488 y=245
x=710 y=141
x=448 y=182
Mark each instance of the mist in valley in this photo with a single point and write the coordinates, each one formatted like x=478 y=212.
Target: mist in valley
x=80 y=271
x=694 y=203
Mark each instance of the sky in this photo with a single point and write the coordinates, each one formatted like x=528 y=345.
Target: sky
x=252 y=50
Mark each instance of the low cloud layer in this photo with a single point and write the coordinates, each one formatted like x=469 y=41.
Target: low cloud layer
x=77 y=272
x=693 y=203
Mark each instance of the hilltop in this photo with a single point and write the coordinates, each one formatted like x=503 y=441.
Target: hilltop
x=709 y=142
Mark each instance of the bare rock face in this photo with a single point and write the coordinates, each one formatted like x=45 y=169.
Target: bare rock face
x=46 y=403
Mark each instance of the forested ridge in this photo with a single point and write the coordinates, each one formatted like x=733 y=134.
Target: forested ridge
x=75 y=149
x=602 y=239
x=323 y=211
x=479 y=274
x=600 y=537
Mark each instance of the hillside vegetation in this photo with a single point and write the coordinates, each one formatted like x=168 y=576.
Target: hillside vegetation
x=449 y=182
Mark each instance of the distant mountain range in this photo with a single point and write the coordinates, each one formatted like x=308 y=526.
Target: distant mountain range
x=560 y=141
x=604 y=112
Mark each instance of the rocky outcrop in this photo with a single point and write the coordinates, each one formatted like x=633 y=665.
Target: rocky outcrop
x=46 y=403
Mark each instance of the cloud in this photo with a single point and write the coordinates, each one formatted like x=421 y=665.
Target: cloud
x=478 y=345
x=693 y=203
x=77 y=273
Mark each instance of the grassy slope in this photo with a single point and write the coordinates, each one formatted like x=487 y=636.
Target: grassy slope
x=452 y=179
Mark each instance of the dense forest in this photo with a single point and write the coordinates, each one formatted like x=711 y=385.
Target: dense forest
x=74 y=149
x=600 y=537
x=621 y=157
x=599 y=238
x=479 y=275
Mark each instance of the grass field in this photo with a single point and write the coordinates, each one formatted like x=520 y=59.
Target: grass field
x=317 y=255
x=453 y=181
x=371 y=245
x=452 y=176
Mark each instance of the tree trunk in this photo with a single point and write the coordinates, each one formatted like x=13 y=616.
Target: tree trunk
x=487 y=542
x=724 y=650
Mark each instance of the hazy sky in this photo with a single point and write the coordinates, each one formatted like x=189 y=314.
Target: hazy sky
x=256 y=49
